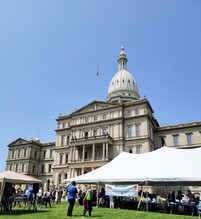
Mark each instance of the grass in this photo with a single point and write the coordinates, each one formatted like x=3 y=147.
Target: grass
x=59 y=212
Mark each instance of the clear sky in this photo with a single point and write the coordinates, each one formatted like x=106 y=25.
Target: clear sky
x=50 y=50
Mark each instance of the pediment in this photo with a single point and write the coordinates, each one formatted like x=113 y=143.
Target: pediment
x=18 y=142
x=96 y=105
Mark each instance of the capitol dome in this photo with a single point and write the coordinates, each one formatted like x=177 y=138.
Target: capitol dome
x=123 y=86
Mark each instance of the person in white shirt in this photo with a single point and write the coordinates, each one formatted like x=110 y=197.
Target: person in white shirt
x=47 y=195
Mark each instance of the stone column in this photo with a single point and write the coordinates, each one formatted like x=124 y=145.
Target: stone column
x=93 y=152
x=72 y=172
x=107 y=150
x=71 y=154
x=75 y=172
x=28 y=153
x=83 y=152
x=103 y=151
x=120 y=130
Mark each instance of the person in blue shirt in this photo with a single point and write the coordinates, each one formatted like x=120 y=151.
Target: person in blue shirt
x=72 y=193
x=29 y=195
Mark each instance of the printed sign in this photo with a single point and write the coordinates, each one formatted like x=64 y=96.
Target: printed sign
x=121 y=190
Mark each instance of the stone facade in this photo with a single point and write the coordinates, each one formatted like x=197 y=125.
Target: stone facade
x=93 y=135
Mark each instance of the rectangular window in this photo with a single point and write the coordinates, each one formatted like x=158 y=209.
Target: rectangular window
x=13 y=153
x=175 y=140
x=136 y=112
x=95 y=132
x=68 y=139
x=23 y=167
x=44 y=154
x=35 y=155
x=62 y=140
x=86 y=119
x=19 y=154
x=104 y=116
x=95 y=118
x=67 y=158
x=17 y=167
x=49 y=168
x=129 y=113
x=163 y=141
x=189 y=138
x=86 y=135
x=130 y=131
x=33 y=169
x=138 y=149
x=137 y=130
x=61 y=159
x=42 y=168
x=105 y=131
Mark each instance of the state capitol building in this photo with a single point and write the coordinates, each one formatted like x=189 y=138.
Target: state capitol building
x=93 y=135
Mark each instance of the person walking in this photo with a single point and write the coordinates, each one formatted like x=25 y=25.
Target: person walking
x=72 y=192
x=88 y=202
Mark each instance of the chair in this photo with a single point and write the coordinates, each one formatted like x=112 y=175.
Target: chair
x=199 y=209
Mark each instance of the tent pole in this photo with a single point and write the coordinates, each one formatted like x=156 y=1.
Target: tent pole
x=97 y=194
x=147 y=197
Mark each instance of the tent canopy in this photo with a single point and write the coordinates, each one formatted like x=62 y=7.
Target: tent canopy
x=164 y=166
x=15 y=178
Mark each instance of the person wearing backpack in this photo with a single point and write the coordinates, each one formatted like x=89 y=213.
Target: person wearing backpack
x=88 y=202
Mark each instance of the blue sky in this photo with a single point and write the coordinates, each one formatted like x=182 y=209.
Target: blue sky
x=50 y=50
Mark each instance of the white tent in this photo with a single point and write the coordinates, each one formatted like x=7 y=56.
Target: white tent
x=164 y=166
x=15 y=178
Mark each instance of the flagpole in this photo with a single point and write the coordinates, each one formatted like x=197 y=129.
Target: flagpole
x=97 y=74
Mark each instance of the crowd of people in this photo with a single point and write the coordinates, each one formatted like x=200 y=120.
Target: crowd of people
x=12 y=197
x=180 y=197
x=48 y=197
x=86 y=197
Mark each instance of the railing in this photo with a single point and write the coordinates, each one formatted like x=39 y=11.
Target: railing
x=91 y=138
x=85 y=160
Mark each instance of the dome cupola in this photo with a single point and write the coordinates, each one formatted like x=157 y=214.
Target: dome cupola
x=122 y=87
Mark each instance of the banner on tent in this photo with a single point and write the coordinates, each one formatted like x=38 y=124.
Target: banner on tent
x=121 y=190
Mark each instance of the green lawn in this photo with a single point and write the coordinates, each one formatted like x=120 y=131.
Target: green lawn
x=59 y=212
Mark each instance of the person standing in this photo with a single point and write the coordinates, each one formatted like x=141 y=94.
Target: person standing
x=191 y=197
x=72 y=192
x=9 y=191
x=58 y=196
x=39 y=196
x=47 y=195
x=173 y=197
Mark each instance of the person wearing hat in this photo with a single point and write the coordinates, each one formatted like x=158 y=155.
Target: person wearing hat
x=72 y=192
